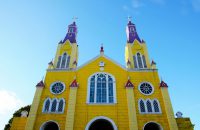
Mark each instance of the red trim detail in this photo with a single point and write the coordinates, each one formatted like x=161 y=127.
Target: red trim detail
x=40 y=84
x=153 y=63
x=163 y=84
x=50 y=63
x=75 y=62
x=74 y=84
x=129 y=84
x=128 y=62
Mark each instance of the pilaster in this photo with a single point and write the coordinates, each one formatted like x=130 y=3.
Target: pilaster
x=169 y=109
x=34 y=107
x=133 y=125
x=69 y=125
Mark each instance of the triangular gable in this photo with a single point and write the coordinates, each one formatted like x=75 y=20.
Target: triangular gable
x=98 y=56
x=129 y=84
x=74 y=83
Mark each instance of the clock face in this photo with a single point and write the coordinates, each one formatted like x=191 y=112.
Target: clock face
x=57 y=88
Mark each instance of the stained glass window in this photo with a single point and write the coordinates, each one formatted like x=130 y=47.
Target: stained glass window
x=139 y=60
x=101 y=89
x=149 y=107
x=60 y=106
x=53 y=106
x=156 y=107
x=142 y=106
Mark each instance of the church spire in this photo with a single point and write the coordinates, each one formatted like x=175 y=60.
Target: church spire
x=131 y=32
x=71 y=33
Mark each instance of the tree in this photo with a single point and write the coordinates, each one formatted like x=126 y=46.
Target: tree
x=17 y=114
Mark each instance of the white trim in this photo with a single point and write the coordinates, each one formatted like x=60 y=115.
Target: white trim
x=101 y=117
x=152 y=106
x=149 y=84
x=114 y=89
x=154 y=123
x=45 y=123
x=55 y=83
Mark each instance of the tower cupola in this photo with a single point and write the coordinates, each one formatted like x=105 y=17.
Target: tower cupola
x=71 y=33
x=131 y=32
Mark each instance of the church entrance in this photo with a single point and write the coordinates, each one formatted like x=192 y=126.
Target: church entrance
x=152 y=126
x=101 y=124
x=50 y=126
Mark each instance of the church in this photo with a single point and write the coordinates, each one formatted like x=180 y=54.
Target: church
x=101 y=94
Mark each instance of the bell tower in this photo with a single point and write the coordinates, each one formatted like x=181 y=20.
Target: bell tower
x=67 y=51
x=136 y=55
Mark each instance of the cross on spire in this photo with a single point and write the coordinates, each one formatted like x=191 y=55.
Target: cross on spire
x=129 y=18
x=74 y=18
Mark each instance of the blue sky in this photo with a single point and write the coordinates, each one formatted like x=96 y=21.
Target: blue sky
x=30 y=31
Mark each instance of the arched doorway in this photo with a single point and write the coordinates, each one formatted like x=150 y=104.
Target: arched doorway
x=50 y=125
x=101 y=123
x=152 y=126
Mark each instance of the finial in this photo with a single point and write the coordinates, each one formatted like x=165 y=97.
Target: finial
x=129 y=18
x=74 y=19
x=101 y=50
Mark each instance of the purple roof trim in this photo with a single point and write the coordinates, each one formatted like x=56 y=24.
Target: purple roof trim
x=71 y=33
x=132 y=35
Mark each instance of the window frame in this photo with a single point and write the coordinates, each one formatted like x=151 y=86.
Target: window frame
x=152 y=106
x=55 y=83
x=149 y=84
x=107 y=90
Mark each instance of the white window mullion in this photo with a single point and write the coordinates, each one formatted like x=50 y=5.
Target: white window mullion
x=107 y=90
x=137 y=61
x=61 y=61
x=95 y=88
x=142 y=61
x=66 y=61
x=57 y=104
x=51 y=101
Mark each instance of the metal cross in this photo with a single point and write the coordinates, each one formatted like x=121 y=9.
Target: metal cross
x=75 y=18
x=129 y=18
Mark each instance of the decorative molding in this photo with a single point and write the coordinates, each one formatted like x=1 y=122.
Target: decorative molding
x=98 y=118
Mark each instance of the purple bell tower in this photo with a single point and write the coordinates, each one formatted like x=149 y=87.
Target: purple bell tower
x=71 y=34
x=131 y=32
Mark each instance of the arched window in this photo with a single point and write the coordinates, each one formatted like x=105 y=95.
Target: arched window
x=139 y=60
x=144 y=61
x=135 y=62
x=64 y=57
x=68 y=60
x=156 y=106
x=46 y=105
x=142 y=106
x=61 y=105
x=54 y=105
x=110 y=89
x=101 y=88
x=149 y=106
x=59 y=61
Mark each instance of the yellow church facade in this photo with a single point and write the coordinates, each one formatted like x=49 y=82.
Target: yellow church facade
x=101 y=94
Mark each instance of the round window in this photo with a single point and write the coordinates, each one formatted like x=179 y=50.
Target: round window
x=57 y=88
x=146 y=88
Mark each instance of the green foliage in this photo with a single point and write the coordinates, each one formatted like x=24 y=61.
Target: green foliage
x=17 y=114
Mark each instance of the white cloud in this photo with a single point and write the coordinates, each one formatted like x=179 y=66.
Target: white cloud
x=196 y=5
x=9 y=103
